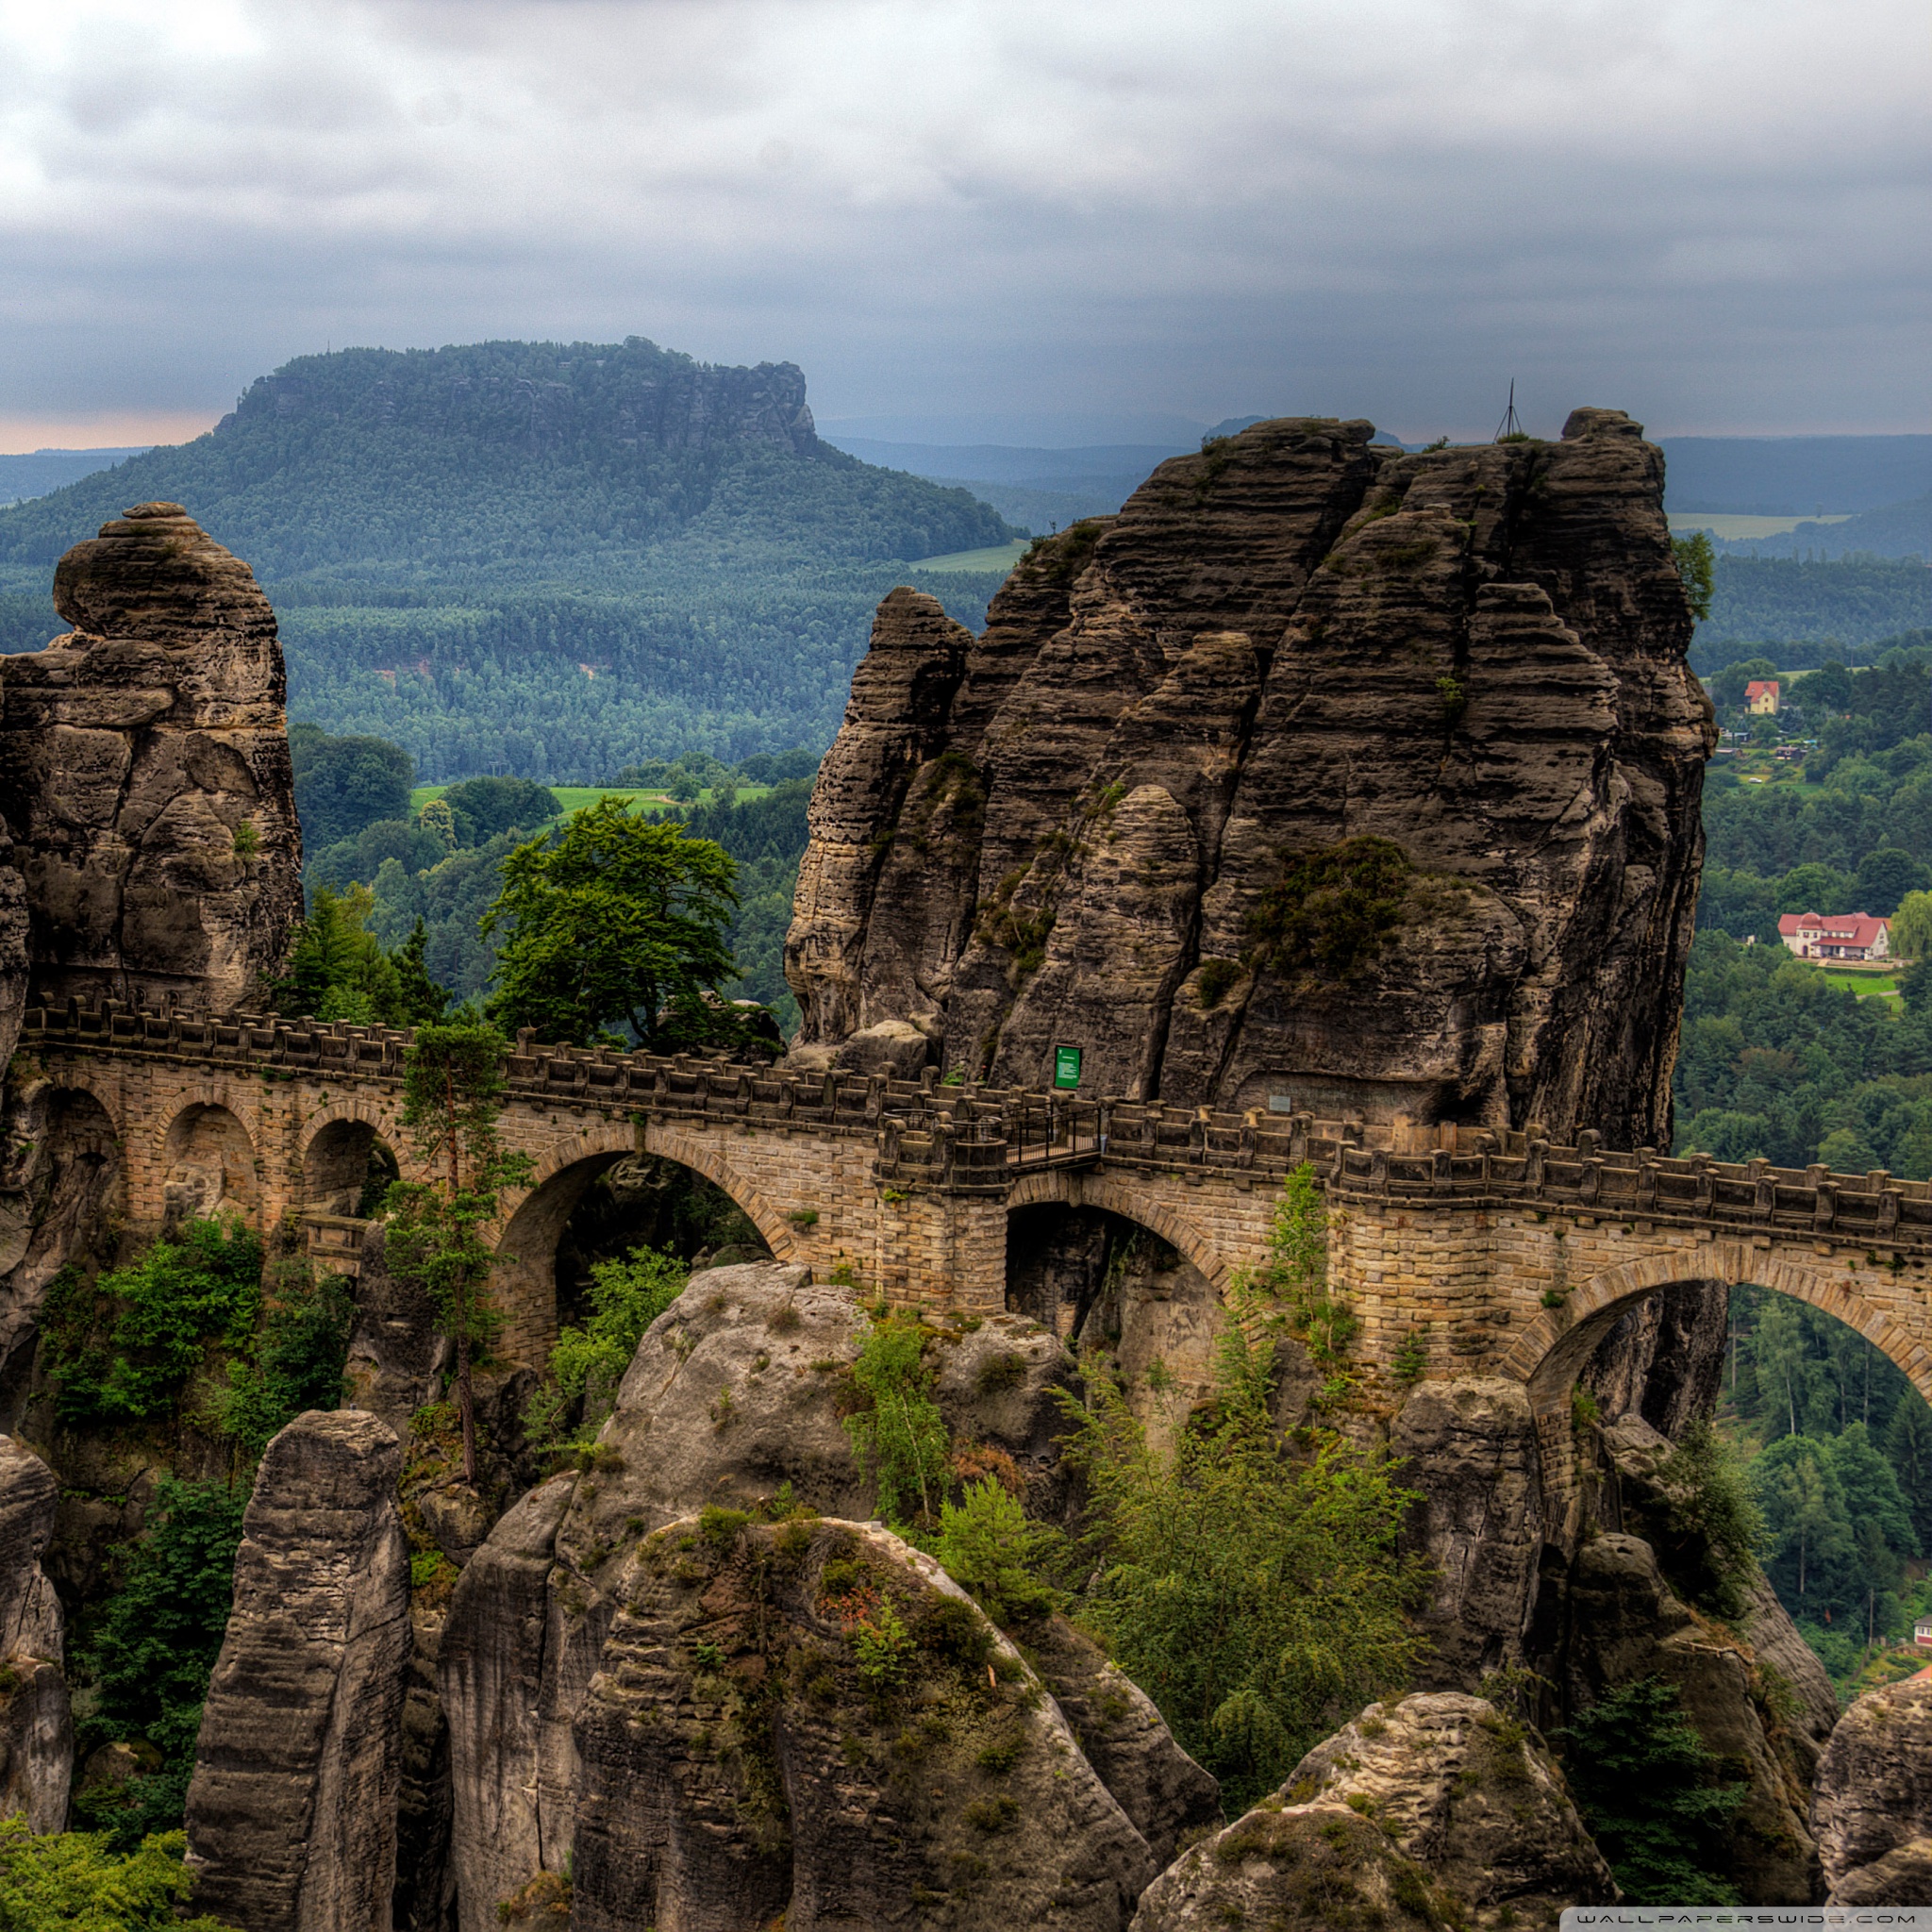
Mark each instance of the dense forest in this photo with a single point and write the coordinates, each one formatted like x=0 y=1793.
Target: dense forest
x=1845 y=602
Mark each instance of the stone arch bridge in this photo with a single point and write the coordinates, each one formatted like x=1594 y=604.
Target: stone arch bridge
x=1463 y=1251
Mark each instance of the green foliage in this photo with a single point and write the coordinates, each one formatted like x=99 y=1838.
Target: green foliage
x=613 y=919
x=337 y=969
x=1331 y=912
x=152 y=1650
x=883 y=1649
x=589 y=1360
x=73 y=1881
x=1651 y=1795
x=1294 y=1274
x=343 y=784
x=481 y=808
x=1253 y=1592
x=1697 y=565
x=1851 y=600
x=294 y=1361
x=1775 y=1061
x=987 y=1545
x=898 y=1434
x=121 y=1347
x=453 y=1087
x=1715 y=1524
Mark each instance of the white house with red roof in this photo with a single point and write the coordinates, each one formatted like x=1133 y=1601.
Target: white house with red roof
x=1836 y=936
x=1760 y=697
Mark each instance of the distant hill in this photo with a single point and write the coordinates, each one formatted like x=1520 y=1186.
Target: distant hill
x=541 y=559
x=518 y=460
x=1896 y=529
x=1834 y=608
x=48 y=468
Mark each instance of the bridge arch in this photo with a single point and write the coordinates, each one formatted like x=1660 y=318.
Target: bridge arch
x=1131 y=1204
x=1552 y=1351
x=524 y=1279
x=209 y=1165
x=346 y=1141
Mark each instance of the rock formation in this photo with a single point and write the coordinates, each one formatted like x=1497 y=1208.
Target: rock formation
x=732 y=1393
x=1431 y=1810
x=292 y=1813
x=35 y=1728
x=144 y=775
x=1321 y=777
x=809 y=1719
x=1873 y=1806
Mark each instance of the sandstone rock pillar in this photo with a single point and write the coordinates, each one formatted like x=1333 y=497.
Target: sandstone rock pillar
x=291 y=1815
x=36 y=1730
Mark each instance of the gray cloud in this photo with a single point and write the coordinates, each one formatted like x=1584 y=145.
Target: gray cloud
x=1716 y=215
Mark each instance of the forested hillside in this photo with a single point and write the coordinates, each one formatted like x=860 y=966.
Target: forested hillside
x=537 y=558
x=1844 y=602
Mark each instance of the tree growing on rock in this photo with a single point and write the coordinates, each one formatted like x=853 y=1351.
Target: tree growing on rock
x=452 y=1099
x=615 y=919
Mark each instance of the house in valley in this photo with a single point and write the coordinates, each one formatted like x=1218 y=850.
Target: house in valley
x=1852 y=937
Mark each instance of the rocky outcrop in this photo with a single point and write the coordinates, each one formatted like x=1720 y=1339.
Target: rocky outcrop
x=291 y=1812
x=1436 y=1810
x=1664 y=1359
x=35 y=1726
x=1321 y=776
x=734 y=1393
x=809 y=1719
x=1469 y=1450
x=144 y=775
x=1873 y=1806
x=1169 y=1798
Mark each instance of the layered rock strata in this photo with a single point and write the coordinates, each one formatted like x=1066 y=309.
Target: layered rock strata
x=1873 y=1806
x=36 y=1726
x=144 y=775
x=1323 y=778
x=1435 y=1809
x=291 y=1811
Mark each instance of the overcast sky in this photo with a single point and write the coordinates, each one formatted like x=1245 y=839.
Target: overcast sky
x=1000 y=219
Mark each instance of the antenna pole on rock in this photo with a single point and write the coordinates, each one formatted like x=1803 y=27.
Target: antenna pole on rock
x=1512 y=424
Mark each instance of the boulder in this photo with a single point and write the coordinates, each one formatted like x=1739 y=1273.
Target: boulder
x=1435 y=1809
x=291 y=1811
x=809 y=1719
x=144 y=770
x=1871 y=1808
x=1079 y=825
x=35 y=1726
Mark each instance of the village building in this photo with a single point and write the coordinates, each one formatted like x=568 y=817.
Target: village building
x=1850 y=936
x=1760 y=697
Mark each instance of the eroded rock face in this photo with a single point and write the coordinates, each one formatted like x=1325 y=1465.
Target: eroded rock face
x=291 y=1812
x=729 y=1396
x=1083 y=826
x=1435 y=1809
x=1873 y=1806
x=1170 y=1800
x=144 y=775
x=35 y=1726
x=743 y=1754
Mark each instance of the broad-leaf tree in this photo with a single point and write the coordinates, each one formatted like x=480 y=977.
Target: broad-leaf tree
x=613 y=919
x=452 y=1099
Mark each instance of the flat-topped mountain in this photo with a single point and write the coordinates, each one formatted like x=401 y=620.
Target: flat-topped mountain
x=1324 y=776
x=515 y=461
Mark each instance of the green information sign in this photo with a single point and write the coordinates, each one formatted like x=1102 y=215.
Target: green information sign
x=1066 y=1065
